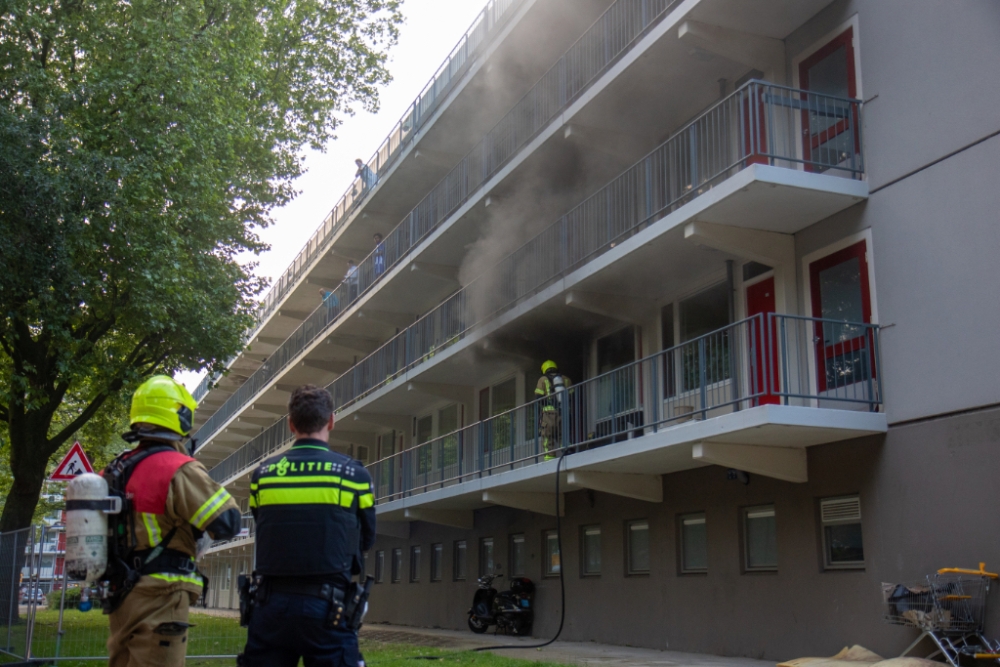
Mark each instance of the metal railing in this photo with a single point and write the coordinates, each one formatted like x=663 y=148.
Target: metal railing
x=758 y=123
x=610 y=36
x=248 y=529
x=762 y=360
x=482 y=30
x=270 y=440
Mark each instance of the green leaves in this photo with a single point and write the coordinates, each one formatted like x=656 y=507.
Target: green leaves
x=142 y=144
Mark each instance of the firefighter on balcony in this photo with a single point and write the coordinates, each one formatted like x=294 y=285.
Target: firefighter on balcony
x=171 y=503
x=315 y=514
x=551 y=387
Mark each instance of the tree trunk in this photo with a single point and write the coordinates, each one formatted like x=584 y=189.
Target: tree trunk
x=29 y=457
x=12 y=559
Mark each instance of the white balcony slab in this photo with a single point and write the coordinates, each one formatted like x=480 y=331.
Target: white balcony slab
x=666 y=451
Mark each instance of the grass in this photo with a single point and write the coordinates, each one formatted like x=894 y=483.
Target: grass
x=85 y=634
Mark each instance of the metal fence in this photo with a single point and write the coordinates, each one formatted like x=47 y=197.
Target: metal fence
x=758 y=123
x=613 y=33
x=55 y=629
x=765 y=359
x=475 y=39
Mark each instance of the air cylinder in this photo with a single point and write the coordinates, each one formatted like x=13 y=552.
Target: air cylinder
x=86 y=528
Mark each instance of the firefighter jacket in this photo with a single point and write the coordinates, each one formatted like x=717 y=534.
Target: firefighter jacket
x=315 y=513
x=545 y=388
x=170 y=491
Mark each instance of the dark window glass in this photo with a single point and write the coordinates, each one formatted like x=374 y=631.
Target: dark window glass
x=760 y=538
x=694 y=543
x=638 y=546
x=461 y=563
x=437 y=554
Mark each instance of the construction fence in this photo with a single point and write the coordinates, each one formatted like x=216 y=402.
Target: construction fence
x=42 y=619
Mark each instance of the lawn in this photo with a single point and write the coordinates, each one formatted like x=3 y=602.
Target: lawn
x=85 y=634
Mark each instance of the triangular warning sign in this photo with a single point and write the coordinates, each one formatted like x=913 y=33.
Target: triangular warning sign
x=74 y=463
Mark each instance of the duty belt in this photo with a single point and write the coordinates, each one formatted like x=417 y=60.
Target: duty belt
x=170 y=560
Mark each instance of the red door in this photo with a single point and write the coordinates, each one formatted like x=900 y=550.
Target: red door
x=829 y=124
x=764 y=374
x=841 y=298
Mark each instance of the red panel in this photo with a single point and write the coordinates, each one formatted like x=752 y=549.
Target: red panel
x=150 y=481
x=813 y=141
x=760 y=300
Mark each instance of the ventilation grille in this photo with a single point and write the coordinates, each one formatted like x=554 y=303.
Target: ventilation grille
x=840 y=509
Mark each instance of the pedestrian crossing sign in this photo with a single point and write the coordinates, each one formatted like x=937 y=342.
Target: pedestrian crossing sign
x=74 y=463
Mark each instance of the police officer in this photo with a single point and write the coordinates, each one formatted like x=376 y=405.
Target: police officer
x=550 y=387
x=173 y=504
x=315 y=516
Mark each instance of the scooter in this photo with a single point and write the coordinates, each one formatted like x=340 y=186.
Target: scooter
x=511 y=611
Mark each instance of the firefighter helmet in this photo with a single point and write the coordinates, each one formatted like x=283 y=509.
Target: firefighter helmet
x=549 y=366
x=163 y=401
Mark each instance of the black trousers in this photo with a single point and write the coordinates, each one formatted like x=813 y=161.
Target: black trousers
x=288 y=627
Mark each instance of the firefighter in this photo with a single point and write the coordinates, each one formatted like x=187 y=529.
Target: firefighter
x=171 y=503
x=550 y=387
x=315 y=517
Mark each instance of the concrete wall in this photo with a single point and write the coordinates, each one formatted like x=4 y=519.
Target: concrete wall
x=934 y=234
x=926 y=494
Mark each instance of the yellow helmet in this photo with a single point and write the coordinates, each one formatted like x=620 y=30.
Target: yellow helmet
x=163 y=401
x=549 y=366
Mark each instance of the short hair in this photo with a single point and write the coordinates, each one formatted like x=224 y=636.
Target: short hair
x=309 y=408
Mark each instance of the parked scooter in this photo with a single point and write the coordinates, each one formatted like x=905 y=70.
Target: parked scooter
x=512 y=611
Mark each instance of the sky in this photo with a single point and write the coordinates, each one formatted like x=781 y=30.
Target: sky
x=431 y=29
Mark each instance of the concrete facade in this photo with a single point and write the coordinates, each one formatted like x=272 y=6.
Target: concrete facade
x=916 y=447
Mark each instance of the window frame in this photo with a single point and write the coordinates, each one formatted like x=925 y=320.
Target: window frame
x=415 y=555
x=549 y=572
x=460 y=561
x=584 y=572
x=396 y=565
x=629 y=572
x=745 y=536
x=437 y=562
x=825 y=554
x=514 y=570
x=483 y=541
x=682 y=567
x=380 y=566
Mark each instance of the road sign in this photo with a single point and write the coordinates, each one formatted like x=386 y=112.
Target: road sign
x=74 y=463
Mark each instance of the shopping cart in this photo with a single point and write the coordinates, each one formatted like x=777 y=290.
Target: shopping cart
x=949 y=608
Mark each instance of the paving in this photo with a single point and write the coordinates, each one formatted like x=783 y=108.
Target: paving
x=573 y=653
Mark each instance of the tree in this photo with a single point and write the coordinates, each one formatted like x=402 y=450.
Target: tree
x=142 y=144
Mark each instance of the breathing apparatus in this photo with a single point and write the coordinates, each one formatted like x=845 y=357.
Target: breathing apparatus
x=98 y=549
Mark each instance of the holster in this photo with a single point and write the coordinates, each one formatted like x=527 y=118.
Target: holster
x=357 y=602
x=248 y=585
x=337 y=618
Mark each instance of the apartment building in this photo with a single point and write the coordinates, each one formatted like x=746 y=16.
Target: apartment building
x=745 y=230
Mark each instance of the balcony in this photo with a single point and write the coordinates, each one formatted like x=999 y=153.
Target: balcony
x=483 y=29
x=248 y=530
x=751 y=396
x=740 y=164
x=603 y=44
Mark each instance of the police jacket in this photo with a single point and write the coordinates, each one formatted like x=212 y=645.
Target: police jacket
x=172 y=496
x=315 y=513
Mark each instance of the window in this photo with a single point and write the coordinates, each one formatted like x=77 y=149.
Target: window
x=841 y=519
x=424 y=432
x=701 y=314
x=448 y=424
x=590 y=539
x=693 y=544
x=227 y=578
x=637 y=546
x=760 y=541
x=667 y=342
x=397 y=565
x=517 y=556
x=615 y=393
x=379 y=566
x=485 y=556
x=829 y=129
x=437 y=567
x=461 y=561
x=552 y=564
x=414 y=564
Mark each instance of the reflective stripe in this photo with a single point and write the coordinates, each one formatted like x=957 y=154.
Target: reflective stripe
x=323 y=495
x=540 y=392
x=311 y=479
x=367 y=500
x=152 y=528
x=178 y=578
x=253 y=486
x=346 y=498
x=322 y=449
x=357 y=486
x=253 y=499
x=205 y=512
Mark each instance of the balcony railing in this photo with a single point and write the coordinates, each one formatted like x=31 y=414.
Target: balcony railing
x=248 y=528
x=765 y=359
x=759 y=123
x=482 y=30
x=609 y=37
